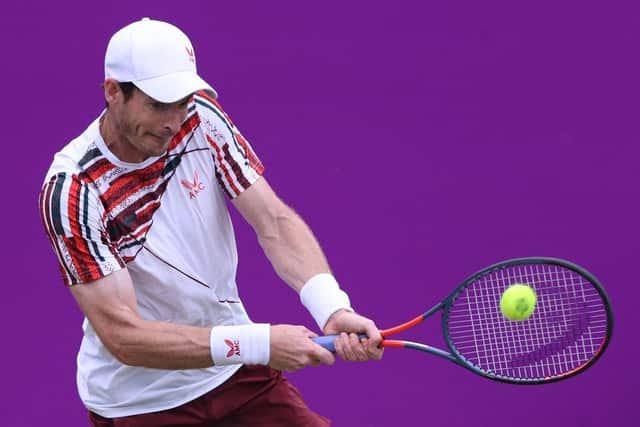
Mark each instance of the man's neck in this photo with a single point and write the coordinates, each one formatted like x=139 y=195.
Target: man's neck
x=105 y=130
x=114 y=141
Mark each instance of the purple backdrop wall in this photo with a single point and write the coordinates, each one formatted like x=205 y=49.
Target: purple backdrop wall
x=420 y=140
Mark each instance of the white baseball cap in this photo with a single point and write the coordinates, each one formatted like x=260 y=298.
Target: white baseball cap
x=157 y=57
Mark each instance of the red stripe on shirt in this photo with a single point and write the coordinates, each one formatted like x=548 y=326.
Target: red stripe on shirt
x=225 y=171
x=85 y=264
x=254 y=161
x=221 y=183
x=215 y=102
x=118 y=226
x=127 y=238
x=235 y=167
x=205 y=95
x=79 y=255
x=128 y=184
x=146 y=214
x=98 y=168
x=142 y=217
x=186 y=127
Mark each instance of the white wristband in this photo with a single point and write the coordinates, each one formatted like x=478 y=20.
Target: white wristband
x=322 y=296
x=241 y=344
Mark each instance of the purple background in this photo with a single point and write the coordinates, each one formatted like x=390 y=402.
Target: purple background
x=420 y=140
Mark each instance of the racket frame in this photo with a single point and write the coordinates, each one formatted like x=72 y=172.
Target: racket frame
x=455 y=356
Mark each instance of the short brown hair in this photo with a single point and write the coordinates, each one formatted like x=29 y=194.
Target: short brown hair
x=127 y=89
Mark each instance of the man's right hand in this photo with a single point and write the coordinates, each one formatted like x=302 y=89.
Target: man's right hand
x=292 y=349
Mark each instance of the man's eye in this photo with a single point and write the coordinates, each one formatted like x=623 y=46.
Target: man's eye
x=159 y=106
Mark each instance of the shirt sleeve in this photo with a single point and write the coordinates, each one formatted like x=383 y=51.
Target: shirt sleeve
x=236 y=165
x=71 y=215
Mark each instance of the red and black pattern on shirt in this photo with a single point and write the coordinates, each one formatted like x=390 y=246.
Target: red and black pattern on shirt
x=83 y=249
x=229 y=173
x=98 y=219
x=131 y=199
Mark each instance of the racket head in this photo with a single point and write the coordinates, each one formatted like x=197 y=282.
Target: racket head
x=567 y=333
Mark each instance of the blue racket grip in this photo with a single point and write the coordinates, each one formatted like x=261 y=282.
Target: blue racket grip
x=328 y=341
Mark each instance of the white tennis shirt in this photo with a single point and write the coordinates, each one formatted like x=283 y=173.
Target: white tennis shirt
x=166 y=221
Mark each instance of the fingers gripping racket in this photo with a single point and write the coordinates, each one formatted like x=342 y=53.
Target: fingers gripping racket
x=567 y=332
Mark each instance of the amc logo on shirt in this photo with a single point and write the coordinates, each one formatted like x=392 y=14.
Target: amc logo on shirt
x=194 y=187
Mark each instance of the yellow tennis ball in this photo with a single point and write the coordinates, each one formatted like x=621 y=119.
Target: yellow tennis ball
x=518 y=302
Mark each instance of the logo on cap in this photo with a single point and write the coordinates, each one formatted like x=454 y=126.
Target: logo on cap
x=192 y=57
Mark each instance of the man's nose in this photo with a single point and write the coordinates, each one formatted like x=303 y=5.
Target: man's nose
x=173 y=120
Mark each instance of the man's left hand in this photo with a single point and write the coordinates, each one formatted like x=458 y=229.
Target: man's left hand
x=349 y=346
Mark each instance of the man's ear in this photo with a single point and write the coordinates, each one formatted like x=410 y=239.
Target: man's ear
x=111 y=91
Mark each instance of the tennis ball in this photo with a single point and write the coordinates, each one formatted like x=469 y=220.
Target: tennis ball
x=518 y=302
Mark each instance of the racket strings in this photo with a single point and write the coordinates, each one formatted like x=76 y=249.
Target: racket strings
x=567 y=328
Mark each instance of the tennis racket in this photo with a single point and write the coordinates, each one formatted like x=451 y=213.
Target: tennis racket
x=568 y=331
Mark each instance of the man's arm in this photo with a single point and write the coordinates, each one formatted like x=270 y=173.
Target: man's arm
x=110 y=305
x=296 y=256
x=285 y=238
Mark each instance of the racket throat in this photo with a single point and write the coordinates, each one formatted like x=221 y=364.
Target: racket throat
x=421 y=347
x=411 y=323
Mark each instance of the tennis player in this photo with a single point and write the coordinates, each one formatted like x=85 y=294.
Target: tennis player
x=135 y=211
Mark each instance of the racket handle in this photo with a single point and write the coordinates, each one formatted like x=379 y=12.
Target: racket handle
x=328 y=341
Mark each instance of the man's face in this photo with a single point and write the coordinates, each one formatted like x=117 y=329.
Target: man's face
x=143 y=126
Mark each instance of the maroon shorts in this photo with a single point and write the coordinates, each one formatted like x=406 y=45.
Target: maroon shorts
x=255 y=395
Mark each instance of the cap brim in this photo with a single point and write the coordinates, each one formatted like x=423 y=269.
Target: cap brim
x=174 y=86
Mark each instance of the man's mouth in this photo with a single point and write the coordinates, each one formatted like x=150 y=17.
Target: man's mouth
x=162 y=139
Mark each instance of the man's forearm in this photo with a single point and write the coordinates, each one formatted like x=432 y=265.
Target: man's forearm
x=162 y=345
x=292 y=249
